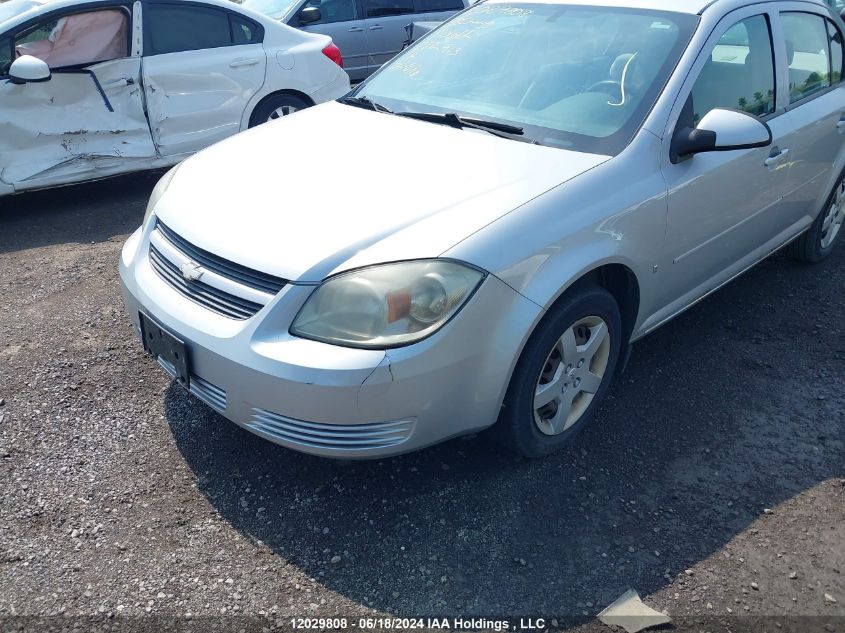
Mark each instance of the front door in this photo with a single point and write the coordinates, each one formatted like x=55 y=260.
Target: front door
x=88 y=119
x=201 y=67
x=724 y=205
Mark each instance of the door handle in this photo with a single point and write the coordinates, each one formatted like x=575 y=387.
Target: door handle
x=243 y=61
x=776 y=156
x=841 y=124
x=356 y=29
x=376 y=27
x=120 y=83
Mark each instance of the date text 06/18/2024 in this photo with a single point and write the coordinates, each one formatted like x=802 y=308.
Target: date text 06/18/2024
x=404 y=624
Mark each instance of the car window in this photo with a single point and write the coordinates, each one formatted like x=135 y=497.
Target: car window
x=334 y=10
x=735 y=36
x=836 y=52
x=172 y=28
x=80 y=39
x=384 y=8
x=808 y=54
x=243 y=31
x=739 y=73
x=5 y=54
x=429 y=6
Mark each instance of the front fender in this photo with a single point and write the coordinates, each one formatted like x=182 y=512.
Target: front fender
x=613 y=214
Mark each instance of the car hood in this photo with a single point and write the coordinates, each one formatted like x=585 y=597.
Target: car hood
x=336 y=187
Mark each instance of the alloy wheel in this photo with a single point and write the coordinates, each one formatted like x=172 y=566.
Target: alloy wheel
x=832 y=223
x=281 y=111
x=572 y=374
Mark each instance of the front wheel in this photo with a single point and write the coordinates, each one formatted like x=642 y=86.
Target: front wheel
x=563 y=374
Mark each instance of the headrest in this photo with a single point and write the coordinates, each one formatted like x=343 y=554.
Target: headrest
x=618 y=66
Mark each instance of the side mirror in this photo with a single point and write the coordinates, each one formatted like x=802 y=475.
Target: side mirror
x=309 y=15
x=721 y=130
x=28 y=69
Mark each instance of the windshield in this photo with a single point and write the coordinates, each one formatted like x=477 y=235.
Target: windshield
x=10 y=9
x=577 y=77
x=273 y=8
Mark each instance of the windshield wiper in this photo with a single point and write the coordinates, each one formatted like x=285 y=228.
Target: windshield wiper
x=505 y=130
x=364 y=102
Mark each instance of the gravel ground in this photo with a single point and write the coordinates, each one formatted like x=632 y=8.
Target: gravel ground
x=711 y=482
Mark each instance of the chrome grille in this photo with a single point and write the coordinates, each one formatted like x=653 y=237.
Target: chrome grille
x=337 y=436
x=241 y=274
x=222 y=286
x=216 y=300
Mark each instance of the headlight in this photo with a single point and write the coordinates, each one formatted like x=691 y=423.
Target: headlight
x=158 y=192
x=388 y=305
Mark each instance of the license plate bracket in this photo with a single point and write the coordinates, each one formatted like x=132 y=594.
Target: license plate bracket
x=159 y=343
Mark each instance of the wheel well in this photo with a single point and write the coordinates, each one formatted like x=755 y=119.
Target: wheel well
x=292 y=93
x=621 y=282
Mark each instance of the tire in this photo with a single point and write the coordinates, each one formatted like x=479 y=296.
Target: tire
x=275 y=107
x=817 y=242
x=548 y=360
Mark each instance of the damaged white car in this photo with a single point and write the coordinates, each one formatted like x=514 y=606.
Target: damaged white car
x=95 y=89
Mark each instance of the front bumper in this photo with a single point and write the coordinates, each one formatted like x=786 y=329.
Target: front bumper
x=335 y=401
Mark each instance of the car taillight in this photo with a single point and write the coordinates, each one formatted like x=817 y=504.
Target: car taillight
x=333 y=53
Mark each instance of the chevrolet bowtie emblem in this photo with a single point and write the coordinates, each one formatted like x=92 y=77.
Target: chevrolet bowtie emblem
x=191 y=271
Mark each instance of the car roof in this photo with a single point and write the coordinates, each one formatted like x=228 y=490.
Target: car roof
x=14 y=9
x=27 y=4
x=678 y=6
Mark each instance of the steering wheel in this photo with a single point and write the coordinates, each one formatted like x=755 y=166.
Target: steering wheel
x=607 y=86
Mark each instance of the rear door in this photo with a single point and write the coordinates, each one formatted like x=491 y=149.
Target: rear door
x=88 y=120
x=814 y=56
x=343 y=21
x=202 y=64
x=385 y=23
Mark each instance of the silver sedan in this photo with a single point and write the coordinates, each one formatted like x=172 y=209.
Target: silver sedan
x=555 y=181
